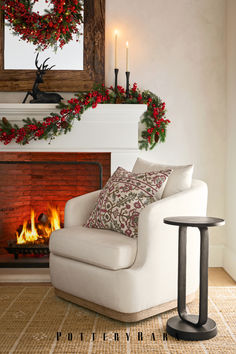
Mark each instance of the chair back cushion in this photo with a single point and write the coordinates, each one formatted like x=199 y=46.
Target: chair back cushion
x=179 y=180
x=123 y=197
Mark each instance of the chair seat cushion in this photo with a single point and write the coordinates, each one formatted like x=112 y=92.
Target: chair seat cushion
x=103 y=248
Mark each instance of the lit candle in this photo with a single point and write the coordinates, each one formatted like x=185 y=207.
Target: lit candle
x=127 y=56
x=116 y=35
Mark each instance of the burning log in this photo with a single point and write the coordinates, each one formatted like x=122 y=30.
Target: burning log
x=38 y=231
x=32 y=237
x=43 y=218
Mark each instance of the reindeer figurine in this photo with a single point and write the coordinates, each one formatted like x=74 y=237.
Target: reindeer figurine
x=40 y=96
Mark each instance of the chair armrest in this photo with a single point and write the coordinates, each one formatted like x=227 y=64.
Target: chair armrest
x=156 y=263
x=78 y=209
x=157 y=240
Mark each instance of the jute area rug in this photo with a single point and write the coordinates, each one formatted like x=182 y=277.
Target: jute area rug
x=34 y=320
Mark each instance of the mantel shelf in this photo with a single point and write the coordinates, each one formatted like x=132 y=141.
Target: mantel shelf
x=107 y=128
x=18 y=111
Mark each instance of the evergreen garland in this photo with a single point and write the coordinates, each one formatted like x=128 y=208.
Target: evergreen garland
x=154 y=121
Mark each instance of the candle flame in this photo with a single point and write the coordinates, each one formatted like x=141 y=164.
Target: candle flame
x=116 y=32
x=127 y=44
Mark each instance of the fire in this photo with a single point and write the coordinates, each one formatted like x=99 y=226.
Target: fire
x=39 y=231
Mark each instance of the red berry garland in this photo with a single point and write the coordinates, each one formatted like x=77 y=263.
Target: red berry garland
x=55 y=28
x=154 y=120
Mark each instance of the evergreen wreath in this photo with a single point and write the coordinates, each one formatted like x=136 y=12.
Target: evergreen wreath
x=54 y=29
x=154 y=120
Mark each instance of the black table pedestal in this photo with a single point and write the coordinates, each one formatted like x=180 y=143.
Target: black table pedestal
x=182 y=330
x=184 y=326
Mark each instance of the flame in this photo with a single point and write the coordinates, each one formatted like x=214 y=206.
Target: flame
x=38 y=232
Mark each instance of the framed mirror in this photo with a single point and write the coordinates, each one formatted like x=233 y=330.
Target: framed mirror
x=64 y=80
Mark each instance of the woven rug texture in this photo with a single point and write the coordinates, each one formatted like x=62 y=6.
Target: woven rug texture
x=34 y=320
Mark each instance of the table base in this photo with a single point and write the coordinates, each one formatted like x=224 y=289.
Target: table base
x=182 y=330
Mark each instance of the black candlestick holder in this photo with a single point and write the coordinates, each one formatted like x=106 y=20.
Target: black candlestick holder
x=116 y=78
x=127 y=73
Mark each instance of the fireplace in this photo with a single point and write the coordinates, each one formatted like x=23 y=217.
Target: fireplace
x=110 y=130
x=33 y=191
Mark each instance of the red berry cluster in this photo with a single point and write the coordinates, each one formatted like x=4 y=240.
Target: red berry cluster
x=155 y=120
x=54 y=27
x=159 y=121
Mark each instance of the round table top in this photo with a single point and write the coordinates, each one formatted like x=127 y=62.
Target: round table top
x=197 y=221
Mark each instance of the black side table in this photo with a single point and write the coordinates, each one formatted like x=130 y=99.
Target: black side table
x=184 y=326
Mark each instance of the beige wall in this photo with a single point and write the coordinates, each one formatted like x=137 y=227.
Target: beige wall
x=230 y=249
x=177 y=50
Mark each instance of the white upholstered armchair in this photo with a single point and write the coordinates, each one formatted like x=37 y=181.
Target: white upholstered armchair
x=124 y=278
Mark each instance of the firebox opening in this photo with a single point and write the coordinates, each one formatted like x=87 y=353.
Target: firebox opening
x=33 y=191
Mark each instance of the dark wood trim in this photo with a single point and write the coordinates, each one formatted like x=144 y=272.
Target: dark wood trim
x=1 y=42
x=65 y=80
x=26 y=284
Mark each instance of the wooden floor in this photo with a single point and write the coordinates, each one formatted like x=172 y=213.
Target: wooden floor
x=219 y=277
x=216 y=277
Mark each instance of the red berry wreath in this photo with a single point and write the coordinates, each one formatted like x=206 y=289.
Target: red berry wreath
x=55 y=28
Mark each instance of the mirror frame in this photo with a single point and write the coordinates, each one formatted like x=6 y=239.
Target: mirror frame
x=65 y=80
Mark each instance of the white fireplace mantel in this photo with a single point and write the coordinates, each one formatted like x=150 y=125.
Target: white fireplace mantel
x=107 y=128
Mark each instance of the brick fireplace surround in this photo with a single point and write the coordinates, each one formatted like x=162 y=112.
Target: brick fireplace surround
x=107 y=134
x=35 y=184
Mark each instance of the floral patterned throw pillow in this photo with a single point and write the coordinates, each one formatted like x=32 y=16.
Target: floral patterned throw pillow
x=123 y=198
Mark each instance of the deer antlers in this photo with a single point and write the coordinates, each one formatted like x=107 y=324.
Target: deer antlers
x=43 y=67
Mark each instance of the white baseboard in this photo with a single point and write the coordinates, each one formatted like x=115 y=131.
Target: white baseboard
x=216 y=255
x=18 y=275
x=230 y=262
